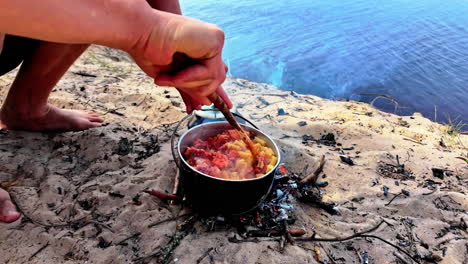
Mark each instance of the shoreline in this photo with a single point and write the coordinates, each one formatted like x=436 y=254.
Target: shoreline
x=436 y=115
x=82 y=193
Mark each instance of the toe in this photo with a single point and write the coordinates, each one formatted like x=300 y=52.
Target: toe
x=96 y=124
x=89 y=113
x=95 y=119
x=85 y=124
x=92 y=117
x=8 y=212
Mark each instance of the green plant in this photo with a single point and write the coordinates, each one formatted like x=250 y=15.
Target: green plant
x=455 y=126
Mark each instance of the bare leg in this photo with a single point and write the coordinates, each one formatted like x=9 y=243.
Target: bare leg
x=26 y=107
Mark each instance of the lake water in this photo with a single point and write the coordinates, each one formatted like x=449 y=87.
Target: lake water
x=415 y=51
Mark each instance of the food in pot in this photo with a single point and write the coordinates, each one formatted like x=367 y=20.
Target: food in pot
x=227 y=156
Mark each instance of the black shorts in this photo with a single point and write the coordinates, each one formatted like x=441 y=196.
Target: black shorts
x=15 y=50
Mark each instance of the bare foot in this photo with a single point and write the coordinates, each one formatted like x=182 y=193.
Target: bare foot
x=8 y=212
x=52 y=118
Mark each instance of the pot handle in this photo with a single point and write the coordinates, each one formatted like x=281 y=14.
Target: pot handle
x=246 y=120
x=173 y=145
x=174 y=135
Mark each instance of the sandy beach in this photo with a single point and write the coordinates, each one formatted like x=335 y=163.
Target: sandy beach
x=82 y=200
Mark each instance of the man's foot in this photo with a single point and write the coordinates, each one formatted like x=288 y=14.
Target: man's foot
x=8 y=212
x=52 y=118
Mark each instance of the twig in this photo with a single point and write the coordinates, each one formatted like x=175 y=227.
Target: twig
x=409 y=156
x=152 y=255
x=433 y=191
x=128 y=238
x=162 y=195
x=414 y=141
x=393 y=245
x=84 y=74
x=338 y=239
x=400 y=258
x=175 y=189
x=377 y=96
x=282 y=94
x=38 y=251
x=114 y=111
x=314 y=176
x=388 y=223
x=462 y=158
x=251 y=239
x=100 y=224
x=168 y=220
x=204 y=255
x=359 y=255
x=282 y=244
x=359 y=235
x=394 y=197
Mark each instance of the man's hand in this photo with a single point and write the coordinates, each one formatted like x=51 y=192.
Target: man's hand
x=150 y=36
x=192 y=103
x=201 y=42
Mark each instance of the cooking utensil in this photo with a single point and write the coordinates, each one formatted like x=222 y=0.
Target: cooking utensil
x=211 y=195
x=221 y=105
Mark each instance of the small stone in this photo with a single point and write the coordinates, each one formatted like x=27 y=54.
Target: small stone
x=103 y=243
x=281 y=112
x=322 y=184
x=385 y=190
x=347 y=160
x=175 y=103
x=438 y=173
x=302 y=123
x=125 y=146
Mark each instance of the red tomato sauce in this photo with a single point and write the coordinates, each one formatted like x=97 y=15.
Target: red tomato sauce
x=227 y=156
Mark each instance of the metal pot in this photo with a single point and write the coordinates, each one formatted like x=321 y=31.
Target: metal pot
x=211 y=195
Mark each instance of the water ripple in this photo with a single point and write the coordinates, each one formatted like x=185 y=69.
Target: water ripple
x=415 y=51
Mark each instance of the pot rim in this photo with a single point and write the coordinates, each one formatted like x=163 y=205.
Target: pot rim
x=222 y=179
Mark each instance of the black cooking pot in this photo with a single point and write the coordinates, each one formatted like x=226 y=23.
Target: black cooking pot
x=212 y=195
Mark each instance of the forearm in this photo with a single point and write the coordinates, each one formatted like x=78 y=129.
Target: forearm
x=171 y=6
x=114 y=23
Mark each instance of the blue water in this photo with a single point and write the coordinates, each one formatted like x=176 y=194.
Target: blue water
x=415 y=51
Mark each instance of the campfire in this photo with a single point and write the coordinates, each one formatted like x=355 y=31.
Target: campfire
x=274 y=217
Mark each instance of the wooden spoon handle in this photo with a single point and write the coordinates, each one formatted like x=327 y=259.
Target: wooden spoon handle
x=222 y=106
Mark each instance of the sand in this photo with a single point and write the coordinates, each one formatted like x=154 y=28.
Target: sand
x=82 y=199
